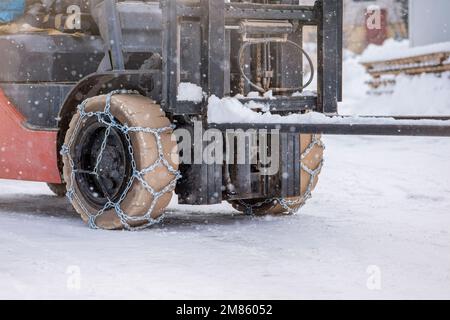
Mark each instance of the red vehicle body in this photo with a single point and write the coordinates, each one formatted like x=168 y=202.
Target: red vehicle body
x=25 y=154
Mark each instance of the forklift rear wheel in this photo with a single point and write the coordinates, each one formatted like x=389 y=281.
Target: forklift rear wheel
x=58 y=189
x=312 y=150
x=93 y=192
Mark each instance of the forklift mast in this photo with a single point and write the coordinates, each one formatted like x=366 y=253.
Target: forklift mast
x=203 y=42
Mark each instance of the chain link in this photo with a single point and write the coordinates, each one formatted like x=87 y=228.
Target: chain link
x=291 y=206
x=106 y=118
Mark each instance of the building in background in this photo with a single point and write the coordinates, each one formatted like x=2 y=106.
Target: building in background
x=373 y=21
x=357 y=31
x=429 y=22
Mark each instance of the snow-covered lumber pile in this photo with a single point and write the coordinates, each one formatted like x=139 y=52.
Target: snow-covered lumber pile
x=393 y=58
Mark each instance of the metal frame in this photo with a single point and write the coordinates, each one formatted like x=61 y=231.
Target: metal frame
x=329 y=55
x=214 y=15
x=114 y=35
x=406 y=126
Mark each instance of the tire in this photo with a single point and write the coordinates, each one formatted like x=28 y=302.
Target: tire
x=312 y=150
x=58 y=189
x=90 y=193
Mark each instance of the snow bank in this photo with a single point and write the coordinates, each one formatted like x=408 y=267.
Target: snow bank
x=190 y=92
x=354 y=78
x=231 y=110
x=392 y=49
x=426 y=94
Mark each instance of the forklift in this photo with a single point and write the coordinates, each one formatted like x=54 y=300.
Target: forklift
x=89 y=104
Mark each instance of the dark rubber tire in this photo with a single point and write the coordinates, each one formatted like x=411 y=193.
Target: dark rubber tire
x=58 y=189
x=313 y=160
x=134 y=111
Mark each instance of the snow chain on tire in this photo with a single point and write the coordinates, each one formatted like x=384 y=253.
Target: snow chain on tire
x=290 y=206
x=106 y=118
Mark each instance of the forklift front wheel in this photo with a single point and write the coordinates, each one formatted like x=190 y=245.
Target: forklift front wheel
x=312 y=149
x=116 y=178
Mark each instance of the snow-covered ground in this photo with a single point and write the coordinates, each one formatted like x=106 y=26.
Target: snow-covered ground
x=378 y=227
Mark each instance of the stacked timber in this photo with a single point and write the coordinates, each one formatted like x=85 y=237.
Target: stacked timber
x=415 y=61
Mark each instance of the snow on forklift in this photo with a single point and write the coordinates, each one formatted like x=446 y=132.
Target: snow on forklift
x=88 y=100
